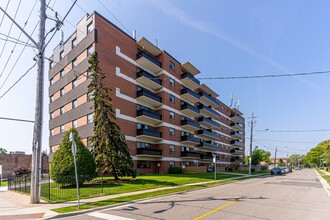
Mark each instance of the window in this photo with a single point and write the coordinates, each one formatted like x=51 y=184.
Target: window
x=142 y=126
x=74 y=42
x=74 y=62
x=62 y=110
x=74 y=83
x=90 y=118
x=62 y=73
x=172 y=65
x=52 y=132
x=172 y=98
x=184 y=149
x=90 y=96
x=51 y=98
x=51 y=64
x=89 y=73
x=62 y=91
x=172 y=148
x=172 y=82
x=172 y=131
x=222 y=108
x=185 y=164
x=61 y=54
x=143 y=164
x=142 y=145
x=52 y=115
x=75 y=123
x=62 y=128
x=74 y=103
x=172 y=115
x=172 y=163
x=90 y=50
x=90 y=27
x=51 y=81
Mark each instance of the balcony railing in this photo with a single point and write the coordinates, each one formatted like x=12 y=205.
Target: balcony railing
x=208 y=121
x=190 y=138
x=149 y=113
x=148 y=132
x=149 y=94
x=149 y=152
x=190 y=154
x=236 y=118
x=190 y=122
x=235 y=151
x=149 y=57
x=209 y=98
x=191 y=77
x=193 y=95
x=237 y=143
x=208 y=109
x=206 y=157
x=143 y=73
x=208 y=133
x=190 y=107
x=236 y=126
x=236 y=134
x=208 y=144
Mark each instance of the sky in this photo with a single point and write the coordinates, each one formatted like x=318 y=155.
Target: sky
x=220 y=38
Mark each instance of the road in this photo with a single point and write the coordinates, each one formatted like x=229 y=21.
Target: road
x=298 y=195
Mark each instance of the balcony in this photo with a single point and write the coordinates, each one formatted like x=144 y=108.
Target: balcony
x=189 y=95
x=206 y=157
x=148 y=80
x=208 y=145
x=207 y=111
x=148 y=97
x=236 y=118
x=189 y=81
x=189 y=110
x=143 y=152
x=208 y=100
x=236 y=143
x=190 y=155
x=236 y=152
x=236 y=135
x=148 y=135
x=148 y=62
x=207 y=123
x=236 y=127
x=208 y=134
x=148 y=117
x=190 y=125
x=189 y=140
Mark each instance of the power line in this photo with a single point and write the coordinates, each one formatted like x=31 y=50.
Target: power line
x=284 y=141
x=18 y=80
x=113 y=16
x=11 y=26
x=307 y=130
x=17 y=42
x=13 y=39
x=80 y=7
x=4 y=13
x=60 y=23
x=266 y=76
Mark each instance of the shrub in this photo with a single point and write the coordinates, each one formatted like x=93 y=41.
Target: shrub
x=20 y=171
x=230 y=169
x=134 y=173
x=62 y=165
x=175 y=170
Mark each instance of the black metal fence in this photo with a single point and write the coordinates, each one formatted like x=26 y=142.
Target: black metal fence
x=55 y=192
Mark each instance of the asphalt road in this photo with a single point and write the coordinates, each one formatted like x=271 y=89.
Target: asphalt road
x=298 y=195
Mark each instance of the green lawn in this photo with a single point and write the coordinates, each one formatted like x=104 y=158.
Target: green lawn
x=57 y=194
x=3 y=183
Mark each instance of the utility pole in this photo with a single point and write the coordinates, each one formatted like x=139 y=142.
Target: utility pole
x=37 y=133
x=252 y=123
x=275 y=157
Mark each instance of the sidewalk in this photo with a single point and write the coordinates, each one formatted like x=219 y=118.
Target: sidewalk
x=16 y=205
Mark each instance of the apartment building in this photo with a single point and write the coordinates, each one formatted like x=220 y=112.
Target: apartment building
x=167 y=116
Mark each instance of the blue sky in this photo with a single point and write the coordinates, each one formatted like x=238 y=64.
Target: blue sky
x=221 y=38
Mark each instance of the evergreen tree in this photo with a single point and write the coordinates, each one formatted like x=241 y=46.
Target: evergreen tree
x=109 y=147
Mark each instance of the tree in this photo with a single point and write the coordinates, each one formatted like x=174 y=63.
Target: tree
x=315 y=156
x=109 y=147
x=296 y=159
x=3 y=150
x=259 y=155
x=62 y=165
x=20 y=171
x=326 y=154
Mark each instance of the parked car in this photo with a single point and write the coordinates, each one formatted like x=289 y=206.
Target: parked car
x=276 y=171
x=298 y=168
x=287 y=169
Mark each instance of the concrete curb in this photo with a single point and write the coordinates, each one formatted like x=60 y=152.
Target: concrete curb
x=324 y=183
x=161 y=196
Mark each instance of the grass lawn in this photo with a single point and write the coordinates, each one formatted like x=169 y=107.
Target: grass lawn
x=142 y=182
x=142 y=196
x=3 y=183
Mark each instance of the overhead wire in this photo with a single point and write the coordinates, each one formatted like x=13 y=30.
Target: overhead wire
x=4 y=13
x=307 y=130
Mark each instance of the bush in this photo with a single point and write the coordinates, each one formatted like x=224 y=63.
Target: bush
x=230 y=169
x=134 y=173
x=253 y=170
x=62 y=165
x=20 y=171
x=175 y=170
